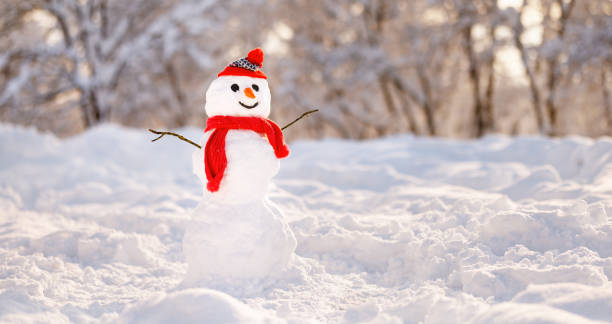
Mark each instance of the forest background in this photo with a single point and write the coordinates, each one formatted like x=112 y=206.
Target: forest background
x=452 y=68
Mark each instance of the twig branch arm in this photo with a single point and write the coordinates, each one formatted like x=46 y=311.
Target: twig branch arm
x=301 y=116
x=181 y=137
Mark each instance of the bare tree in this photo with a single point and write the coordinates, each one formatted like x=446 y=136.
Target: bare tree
x=518 y=30
x=106 y=50
x=372 y=67
x=606 y=98
x=478 y=65
x=553 y=75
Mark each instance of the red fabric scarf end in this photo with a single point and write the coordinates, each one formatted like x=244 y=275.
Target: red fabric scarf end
x=282 y=152
x=213 y=186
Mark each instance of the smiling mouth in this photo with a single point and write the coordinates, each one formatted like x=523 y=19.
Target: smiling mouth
x=247 y=106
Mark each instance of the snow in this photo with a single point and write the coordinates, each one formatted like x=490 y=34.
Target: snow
x=195 y=306
x=395 y=230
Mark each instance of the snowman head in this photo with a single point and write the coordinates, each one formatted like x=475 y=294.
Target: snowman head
x=240 y=90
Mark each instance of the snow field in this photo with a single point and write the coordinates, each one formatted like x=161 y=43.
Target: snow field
x=396 y=230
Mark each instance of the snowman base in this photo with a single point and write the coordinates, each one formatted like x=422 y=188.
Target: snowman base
x=236 y=245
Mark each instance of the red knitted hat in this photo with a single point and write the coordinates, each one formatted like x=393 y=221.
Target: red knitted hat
x=247 y=66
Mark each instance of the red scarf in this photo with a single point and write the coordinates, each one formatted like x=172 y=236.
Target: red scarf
x=215 y=160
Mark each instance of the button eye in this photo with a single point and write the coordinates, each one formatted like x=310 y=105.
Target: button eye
x=235 y=87
x=255 y=87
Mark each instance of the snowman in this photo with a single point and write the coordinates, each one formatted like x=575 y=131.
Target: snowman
x=236 y=234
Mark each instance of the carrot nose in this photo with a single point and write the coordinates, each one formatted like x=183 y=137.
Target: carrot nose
x=249 y=93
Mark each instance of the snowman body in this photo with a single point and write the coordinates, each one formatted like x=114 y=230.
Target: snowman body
x=236 y=233
x=251 y=165
x=236 y=243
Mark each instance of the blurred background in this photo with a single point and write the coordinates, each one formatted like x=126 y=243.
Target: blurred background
x=453 y=68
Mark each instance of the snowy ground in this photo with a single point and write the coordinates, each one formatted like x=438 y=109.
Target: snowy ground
x=398 y=230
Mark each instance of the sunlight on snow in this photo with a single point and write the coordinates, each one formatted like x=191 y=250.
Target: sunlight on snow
x=47 y=23
x=276 y=40
x=508 y=57
x=532 y=19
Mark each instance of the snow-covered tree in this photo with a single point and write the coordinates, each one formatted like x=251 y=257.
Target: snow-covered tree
x=372 y=67
x=569 y=65
x=113 y=60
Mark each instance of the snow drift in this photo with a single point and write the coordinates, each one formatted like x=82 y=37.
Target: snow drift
x=402 y=229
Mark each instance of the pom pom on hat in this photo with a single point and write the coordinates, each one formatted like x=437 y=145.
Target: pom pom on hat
x=256 y=57
x=247 y=66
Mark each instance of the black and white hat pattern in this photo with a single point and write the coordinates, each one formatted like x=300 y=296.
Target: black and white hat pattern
x=248 y=66
x=245 y=64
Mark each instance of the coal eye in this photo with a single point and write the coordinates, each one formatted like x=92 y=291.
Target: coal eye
x=235 y=87
x=255 y=87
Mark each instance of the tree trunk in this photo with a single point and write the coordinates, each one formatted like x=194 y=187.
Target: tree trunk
x=389 y=103
x=181 y=116
x=408 y=113
x=553 y=73
x=490 y=90
x=605 y=93
x=550 y=98
x=479 y=114
x=533 y=87
x=424 y=103
x=427 y=102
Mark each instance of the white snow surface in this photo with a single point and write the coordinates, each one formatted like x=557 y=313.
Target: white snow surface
x=394 y=230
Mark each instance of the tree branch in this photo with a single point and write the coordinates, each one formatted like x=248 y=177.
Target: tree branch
x=301 y=116
x=181 y=137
